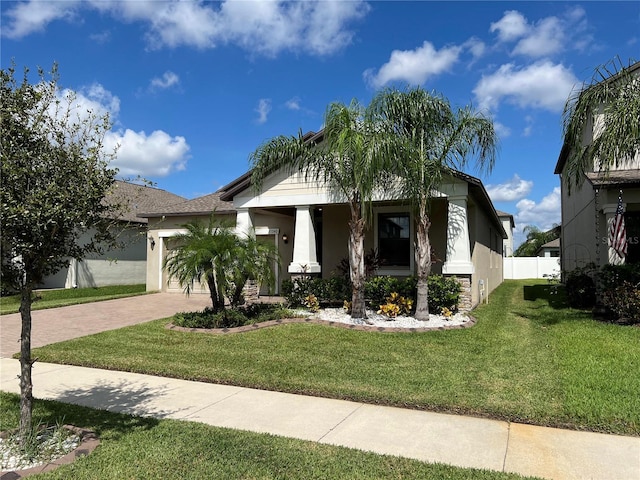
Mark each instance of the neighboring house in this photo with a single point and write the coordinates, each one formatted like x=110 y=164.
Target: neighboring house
x=508 y=224
x=124 y=266
x=549 y=249
x=589 y=208
x=308 y=223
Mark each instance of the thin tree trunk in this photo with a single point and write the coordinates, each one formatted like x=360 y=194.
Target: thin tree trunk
x=356 y=266
x=26 y=384
x=213 y=293
x=423 y=262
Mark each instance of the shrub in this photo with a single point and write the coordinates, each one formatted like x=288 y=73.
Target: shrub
x=444 y=292
x=230 y=318
x=580 y=287
x=332 y=290
x=620 y=291
x=396 y=305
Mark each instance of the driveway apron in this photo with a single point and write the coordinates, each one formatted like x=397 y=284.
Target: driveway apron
x=64 y=323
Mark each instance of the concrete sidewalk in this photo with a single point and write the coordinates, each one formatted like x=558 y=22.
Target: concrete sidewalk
x=431 y=437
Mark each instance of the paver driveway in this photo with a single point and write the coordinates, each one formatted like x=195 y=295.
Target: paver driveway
x=58 y=324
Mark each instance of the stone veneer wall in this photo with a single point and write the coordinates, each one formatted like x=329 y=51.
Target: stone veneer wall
x=466 y=301
x=251 y=291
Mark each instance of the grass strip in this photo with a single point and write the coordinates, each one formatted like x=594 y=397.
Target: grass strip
x=145 y=448
x=70 y=296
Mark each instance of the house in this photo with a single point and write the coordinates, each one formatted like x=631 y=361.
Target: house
x=508 y=224
x=589 y=208
x=549 y=249
x=126 y=266
x=308 y=224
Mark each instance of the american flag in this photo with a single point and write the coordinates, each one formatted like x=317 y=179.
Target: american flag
x=618 y=232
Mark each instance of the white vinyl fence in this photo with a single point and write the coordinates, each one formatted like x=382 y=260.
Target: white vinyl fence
x=530 y=267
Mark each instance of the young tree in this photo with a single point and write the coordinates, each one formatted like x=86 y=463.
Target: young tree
x=535 y=239
x=214 y=254
x=610 y=105
x=54 y=178
x=349 y=159
x=433 y=140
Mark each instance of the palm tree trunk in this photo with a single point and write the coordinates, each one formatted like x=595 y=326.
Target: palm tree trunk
x=356 y=264
x=213 y=294
x=423 y=262
x=26 y=383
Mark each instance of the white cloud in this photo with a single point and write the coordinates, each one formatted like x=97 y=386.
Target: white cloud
x=512 y=190
x=293 y=103
x=414 y=66
x=29 y=17
x=548 y=36
x=157 y=154
x=475 y=46
x=511 y=26
x=101 y=37
x=263 y=109
x=528 y=129
x=167 y=80
x=265 y=27
x=501 y=129
x=544 y=215
x=541 y=85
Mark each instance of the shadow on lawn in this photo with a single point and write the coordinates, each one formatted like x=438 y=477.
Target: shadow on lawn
x=104 y=424
x=554 y=294
x=556 y=298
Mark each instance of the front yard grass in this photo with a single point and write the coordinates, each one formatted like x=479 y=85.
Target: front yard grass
x=145 y=448
x=528 y=359
x=70 y=296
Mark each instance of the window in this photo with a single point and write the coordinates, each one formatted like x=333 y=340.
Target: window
x=632 y=225
x=394 y=239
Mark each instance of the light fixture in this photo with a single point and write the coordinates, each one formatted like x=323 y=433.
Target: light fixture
x=285 y=238
x=152 y=242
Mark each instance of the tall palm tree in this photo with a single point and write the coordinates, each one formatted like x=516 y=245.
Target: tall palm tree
x=349 y=159
x=214 y=254
x=433 y=141
x=610 y=104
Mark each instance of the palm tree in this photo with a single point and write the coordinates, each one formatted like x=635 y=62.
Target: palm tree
x=610 y=103
x=349 y=160
x=433 y=141
x=214 y=254
x=535 y=239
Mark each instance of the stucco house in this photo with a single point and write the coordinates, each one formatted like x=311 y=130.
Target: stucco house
x=126 y=266
x=589 y=208
x=549 y=249
x=508 y=224
x=308 y=223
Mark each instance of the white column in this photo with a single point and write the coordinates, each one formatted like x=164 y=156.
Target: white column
x=609 y=211
x=304 y=243
x=244 y=222
x=458 y=259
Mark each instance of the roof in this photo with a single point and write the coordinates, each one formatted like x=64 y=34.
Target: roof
x=198 y=206
x=475 y=185
x=140 y=198
x=615 y=178
x=564 y=152
x=505 y=214
x=552 y=244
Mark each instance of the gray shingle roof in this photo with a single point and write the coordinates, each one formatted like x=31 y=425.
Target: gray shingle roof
x=141 y=198
x=198 y=206
x=615 y=177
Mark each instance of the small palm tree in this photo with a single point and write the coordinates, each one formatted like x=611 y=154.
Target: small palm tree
x=213 y=254
x=432 y=141
x=349 y=160
x=610 y=104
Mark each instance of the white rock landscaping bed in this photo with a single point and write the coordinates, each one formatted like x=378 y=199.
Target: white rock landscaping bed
x=376 y=320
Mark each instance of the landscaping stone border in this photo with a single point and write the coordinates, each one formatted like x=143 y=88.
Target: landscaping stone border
x=272 y=323
x=88 y=443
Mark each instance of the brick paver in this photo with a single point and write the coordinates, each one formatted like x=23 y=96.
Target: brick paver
x=59 y=324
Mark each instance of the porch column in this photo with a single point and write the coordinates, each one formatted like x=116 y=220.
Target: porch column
x=304 y=243
x=458 y=259
x=244 y=222
x=609 y=211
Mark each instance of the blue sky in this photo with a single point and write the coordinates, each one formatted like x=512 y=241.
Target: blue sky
x=194 y=87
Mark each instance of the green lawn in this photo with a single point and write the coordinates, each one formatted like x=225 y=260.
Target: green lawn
x=140 y=448
x=528 y=359
x=70 y=296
